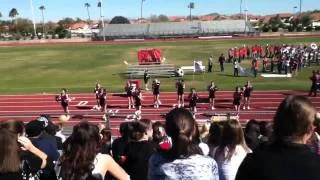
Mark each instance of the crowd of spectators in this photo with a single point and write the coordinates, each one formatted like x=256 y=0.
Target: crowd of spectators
x=287 y=148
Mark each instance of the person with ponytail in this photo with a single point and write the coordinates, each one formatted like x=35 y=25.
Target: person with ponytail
x=185 y=160
x=139 y=149
x=81 y=158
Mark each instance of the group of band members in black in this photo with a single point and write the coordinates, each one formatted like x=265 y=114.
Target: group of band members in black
x=135 y=99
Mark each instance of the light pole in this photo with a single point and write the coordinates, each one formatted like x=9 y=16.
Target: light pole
x=241 y=9
x=100 y=5
x=33 y=19
x=141 y=10
x=191 y=6
x=300 y=11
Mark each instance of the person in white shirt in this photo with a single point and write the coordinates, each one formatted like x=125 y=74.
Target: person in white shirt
x=232 y=150
x=236 y=68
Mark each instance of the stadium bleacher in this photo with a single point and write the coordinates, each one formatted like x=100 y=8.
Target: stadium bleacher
x=176 y=29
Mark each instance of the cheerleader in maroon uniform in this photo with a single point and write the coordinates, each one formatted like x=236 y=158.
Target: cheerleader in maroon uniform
x=96 y=91
x=103 y=100
x=156 y=93
x=180 y=86
x=193 y=98
x=64 y=99
x=247 y=90
x=237 y=99
x=129 y=90
x=212 y=88
x=138 y=99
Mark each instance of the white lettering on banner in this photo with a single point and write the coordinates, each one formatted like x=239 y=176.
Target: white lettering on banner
x=82 y=103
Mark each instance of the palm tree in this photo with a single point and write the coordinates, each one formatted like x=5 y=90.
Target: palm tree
x=42 y=8
x=0 y=15
x=87 y=5
x=13 y=14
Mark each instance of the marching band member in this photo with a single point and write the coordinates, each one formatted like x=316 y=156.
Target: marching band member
x=247 y=90
x=212 y=94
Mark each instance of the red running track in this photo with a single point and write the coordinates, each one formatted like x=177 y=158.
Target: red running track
x=28 y=107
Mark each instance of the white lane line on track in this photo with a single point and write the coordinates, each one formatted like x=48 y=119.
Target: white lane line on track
x=149 y=92
x=124 y=98
x=125 y=105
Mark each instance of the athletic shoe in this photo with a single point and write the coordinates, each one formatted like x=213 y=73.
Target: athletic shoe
x=248 y=107
x=244 y=108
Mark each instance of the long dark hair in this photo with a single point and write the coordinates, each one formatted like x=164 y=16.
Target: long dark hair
x=9 y=152
x=16 y=127
x=232 y=136
x=79 y=152
x=215 y=133
x=182 y=128
x=294 y=118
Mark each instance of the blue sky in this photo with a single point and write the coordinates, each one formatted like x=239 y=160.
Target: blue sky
x=57 y=9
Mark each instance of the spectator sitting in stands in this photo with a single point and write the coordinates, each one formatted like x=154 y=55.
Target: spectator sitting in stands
x=160 y=138
x=266 y=130
x=119 y=145
x=45 y=142
x=184 y=160
x=204 y=132
x=106 y=141
x=214 y=139
x=14 y=163
x=288 y=156
x=51 y=129
x=315 y=139
x=252 y=134
x=81 y=158
x=232 y=150
x=139 y=150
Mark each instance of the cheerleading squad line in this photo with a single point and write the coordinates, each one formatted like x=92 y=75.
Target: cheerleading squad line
x=135 y=98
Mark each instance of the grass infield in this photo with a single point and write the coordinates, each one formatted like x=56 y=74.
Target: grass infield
x=38 y=69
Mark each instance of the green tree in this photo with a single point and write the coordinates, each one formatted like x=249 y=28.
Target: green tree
x=24 y=27
x=154 y=18
x=275 y=21
x=87 y=5
x=163 y=18
x=66 y=22
x=119 y=20
x=42 y=8
x=13 y=14
x=306 y=20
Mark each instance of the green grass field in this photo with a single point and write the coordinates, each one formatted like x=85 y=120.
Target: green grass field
x=37 y=69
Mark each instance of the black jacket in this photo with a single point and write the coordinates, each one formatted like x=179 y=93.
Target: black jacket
x=280 y=161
